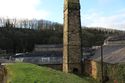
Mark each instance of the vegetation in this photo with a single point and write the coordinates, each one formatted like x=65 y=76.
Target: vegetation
x=114 y=72
x=15 y=39
x=94 y=36
x=29 y=73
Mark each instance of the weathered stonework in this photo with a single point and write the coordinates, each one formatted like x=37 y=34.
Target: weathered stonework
x=72 y=39
x=3 y=74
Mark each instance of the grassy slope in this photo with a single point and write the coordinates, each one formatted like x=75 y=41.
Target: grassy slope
x=29 y=73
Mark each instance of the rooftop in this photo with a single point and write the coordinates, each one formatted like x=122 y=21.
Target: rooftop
x=111 y=54
x=42 y=54
x=117 y=39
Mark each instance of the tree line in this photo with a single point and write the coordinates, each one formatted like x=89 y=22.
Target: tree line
x=30 y=24
x=14 y=39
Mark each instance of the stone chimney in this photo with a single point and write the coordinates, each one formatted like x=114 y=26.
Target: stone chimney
x=71 y=38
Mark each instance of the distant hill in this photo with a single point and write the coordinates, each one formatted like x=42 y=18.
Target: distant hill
x=13 y=39
x=94 y=36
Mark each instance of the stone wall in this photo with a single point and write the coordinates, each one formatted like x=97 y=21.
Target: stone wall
x=90 y=68
x=2 y=74
x=111 y=72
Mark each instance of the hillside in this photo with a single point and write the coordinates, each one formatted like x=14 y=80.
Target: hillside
x=17 y=40
x=29 y=73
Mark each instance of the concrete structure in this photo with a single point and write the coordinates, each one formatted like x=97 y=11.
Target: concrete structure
x=72 y=39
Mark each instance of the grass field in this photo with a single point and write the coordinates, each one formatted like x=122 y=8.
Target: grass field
x=29 y=73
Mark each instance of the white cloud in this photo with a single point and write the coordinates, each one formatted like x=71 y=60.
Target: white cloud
x=21 y=9
x=94 y=19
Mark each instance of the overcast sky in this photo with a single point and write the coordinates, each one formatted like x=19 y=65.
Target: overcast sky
x=101 y=13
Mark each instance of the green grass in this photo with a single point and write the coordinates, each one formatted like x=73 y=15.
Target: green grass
x=29 y=73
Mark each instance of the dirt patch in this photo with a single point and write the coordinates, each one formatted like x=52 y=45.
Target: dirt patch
x=3 y=73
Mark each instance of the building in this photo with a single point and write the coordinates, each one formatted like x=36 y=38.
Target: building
x=113 y=61
x=43 y=55
x=41 y=48
x=48 y=55
x=49 y=59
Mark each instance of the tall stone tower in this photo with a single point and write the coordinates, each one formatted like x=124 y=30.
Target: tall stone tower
x=71 y=37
